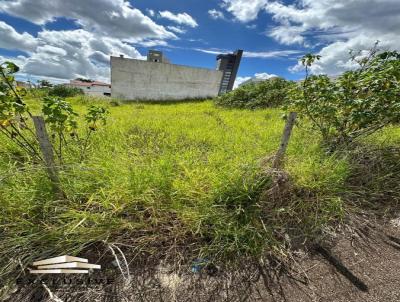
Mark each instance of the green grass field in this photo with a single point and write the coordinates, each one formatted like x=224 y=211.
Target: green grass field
x=189 y=174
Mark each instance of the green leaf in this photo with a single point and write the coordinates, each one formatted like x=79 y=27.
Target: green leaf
x=12 y=67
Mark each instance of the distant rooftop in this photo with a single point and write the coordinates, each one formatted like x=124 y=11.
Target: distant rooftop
x=87 y=83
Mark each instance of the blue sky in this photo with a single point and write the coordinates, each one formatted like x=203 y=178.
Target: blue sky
x=223 y=35
x=62 y=39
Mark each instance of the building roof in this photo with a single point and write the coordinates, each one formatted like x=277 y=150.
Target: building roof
x=87 y=84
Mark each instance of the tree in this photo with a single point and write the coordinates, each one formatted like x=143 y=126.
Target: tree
x=264 y=94
x=357 y=103
x=44 y=84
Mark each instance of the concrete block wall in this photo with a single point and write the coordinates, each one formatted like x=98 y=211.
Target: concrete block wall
x=142 y=80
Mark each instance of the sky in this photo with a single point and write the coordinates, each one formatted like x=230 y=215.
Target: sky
x=61 y=40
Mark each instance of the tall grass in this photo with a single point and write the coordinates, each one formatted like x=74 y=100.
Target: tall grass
x=158 y=174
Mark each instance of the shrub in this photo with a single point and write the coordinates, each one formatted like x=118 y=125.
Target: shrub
x=64 y=91
x=356 y=104
x=268 y=93
x=36 y=93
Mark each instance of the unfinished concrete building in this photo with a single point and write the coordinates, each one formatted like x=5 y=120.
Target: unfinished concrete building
x=229 y=65
x=156 y=57
x=157 y=79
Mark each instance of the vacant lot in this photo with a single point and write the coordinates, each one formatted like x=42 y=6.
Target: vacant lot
x=185 y=178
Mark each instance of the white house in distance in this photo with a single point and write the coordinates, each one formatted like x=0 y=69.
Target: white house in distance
x=93 y=88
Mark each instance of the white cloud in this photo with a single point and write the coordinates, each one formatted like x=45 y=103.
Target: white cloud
x=212 y=51
x=258 y=76
x=11 y=39
x=198 y=40
x=108 y=28
x=19 y=60
x=244 y=10
x=216 y=14
x=287 y=34
x=240 y=80
x=265 y=76
x=150 y=12
x=182 y=18
x=51 y=50
x=75 y=53
x=177 y=29
x=111 y=18
x=152 y=43
x=252 y=26
x=338 y=25
x=253 y=54
x=271 y=54
x=335 y=57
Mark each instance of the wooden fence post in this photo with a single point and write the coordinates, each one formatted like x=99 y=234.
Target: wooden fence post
x=285 y=140
x=47 y=150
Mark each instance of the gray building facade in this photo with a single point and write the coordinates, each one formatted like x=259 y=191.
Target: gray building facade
x=133 y=79
x=157 y=79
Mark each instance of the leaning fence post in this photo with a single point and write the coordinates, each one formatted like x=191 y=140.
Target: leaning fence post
x=284 y=141
x=47 y=150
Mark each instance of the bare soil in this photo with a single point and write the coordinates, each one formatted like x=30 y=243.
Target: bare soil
x=361 y=264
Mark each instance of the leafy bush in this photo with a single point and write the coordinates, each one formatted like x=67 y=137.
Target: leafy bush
x=268 y=93
x=354 y=105
x=60 y=115
x=64 y=91
x=37 y=93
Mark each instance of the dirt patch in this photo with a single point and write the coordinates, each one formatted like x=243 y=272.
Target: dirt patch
x=361 y=264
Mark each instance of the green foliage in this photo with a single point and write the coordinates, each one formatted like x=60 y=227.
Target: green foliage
x=9 y=108
x=14 y=113
x=44 y=84
x=59 y=115
x=65 y=91
x=96 y=115
x=308 y=59
x=187 y=171
x=10 y=103
x=10 y=67
x=62 y=120
x=265 y=94
x=354 y=105
x=37 y=93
